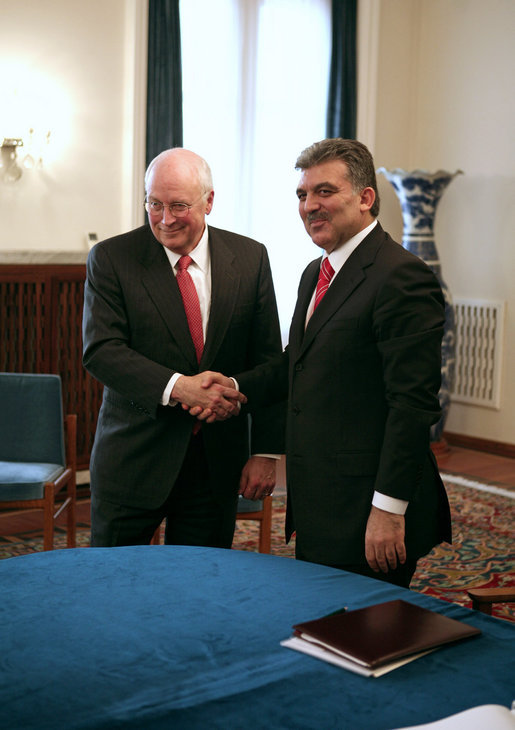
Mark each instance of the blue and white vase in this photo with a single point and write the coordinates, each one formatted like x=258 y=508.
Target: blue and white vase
x=419 y=193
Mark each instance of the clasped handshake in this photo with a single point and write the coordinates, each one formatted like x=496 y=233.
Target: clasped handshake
x=208 y=396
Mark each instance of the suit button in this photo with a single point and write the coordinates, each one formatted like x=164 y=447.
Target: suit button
x=299 y=366
x=295 y=410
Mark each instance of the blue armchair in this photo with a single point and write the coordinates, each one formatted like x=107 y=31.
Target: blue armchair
x=37 y=453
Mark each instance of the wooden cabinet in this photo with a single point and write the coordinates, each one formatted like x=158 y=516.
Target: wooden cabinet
x=41 y=332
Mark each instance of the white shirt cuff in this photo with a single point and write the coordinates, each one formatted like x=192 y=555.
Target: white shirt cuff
x=166 y=398
x=389 y=504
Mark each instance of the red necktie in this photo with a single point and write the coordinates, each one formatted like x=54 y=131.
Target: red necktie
x=325 y=276
x=191 y=304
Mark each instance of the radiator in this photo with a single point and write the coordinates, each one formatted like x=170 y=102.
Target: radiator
x=479 y=342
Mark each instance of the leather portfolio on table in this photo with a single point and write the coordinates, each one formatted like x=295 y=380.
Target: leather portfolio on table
x=376 y=639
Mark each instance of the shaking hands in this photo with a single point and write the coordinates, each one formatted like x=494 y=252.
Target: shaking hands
x=208 y=396
x=211 y=397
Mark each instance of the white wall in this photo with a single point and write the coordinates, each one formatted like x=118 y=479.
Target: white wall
x=444 y=100
x=73 y=52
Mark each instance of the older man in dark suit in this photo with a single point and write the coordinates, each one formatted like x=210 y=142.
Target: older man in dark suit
x=362 y=374
x=162 y=303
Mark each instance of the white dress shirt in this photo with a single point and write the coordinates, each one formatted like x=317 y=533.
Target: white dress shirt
x=200 y=272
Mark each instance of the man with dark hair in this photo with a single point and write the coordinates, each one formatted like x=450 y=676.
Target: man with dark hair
x=362 y=374
x=357 y=158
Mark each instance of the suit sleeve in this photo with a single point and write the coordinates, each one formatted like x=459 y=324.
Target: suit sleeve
x=107 y=353
x=409 y=320
x=267 y=422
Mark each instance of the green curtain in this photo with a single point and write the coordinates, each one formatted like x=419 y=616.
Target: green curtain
x=341 y=108
x=164 y=78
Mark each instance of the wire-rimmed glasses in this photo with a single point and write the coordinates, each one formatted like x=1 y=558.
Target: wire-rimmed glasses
x=178 y=210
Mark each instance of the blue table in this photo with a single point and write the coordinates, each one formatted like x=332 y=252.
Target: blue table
x=180 y=637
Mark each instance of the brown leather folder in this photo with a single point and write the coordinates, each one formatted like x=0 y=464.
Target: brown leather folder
x=383 y=633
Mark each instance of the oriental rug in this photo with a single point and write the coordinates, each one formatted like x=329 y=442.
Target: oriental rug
x=482 y=554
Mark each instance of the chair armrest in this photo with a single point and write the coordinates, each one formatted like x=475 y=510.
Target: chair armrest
x=482 y=598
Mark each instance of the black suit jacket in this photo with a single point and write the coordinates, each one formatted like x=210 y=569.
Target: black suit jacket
x=362 y=381
x=136 y=336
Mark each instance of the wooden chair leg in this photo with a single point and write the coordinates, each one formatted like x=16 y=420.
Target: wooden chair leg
x=71 y=460
x=483 y=607
x=48 y=518
x=156 y=540
x=71 y=515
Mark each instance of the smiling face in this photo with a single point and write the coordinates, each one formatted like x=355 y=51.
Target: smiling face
x=174 y=178
x=332 y=212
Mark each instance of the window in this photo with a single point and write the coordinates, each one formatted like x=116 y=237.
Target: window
x=255 y=80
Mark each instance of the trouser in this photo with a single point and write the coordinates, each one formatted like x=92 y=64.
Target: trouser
x=193 y=515
x=401 y=576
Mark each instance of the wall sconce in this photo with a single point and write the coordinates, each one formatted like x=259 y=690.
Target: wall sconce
x=10 y=168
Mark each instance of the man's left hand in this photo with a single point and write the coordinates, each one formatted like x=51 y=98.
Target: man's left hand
x=258 y=477
x=384 y=540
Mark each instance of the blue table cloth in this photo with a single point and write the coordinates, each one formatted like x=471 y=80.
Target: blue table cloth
x=183 y=637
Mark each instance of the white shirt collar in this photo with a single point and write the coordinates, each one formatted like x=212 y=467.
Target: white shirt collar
x=200 y=253
x=340 y=255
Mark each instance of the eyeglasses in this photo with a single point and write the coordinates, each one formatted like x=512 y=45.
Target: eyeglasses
x=178 y=210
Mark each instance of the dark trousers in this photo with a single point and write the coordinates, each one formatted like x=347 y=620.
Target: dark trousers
x=193 y=515
x=401 y=576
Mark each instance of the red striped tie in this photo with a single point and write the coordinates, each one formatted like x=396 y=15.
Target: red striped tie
x=191 y=303
x=325 y=276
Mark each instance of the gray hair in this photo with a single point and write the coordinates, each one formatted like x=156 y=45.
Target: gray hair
x=357 y=157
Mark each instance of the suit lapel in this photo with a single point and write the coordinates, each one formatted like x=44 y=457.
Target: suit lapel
x=349 y=278
x=225 y=284
x=298 y=322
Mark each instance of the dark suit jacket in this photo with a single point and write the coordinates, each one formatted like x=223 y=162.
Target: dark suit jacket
x=362 y=382
x=136 y=336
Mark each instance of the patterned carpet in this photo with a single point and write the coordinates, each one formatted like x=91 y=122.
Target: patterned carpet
x=482 y=554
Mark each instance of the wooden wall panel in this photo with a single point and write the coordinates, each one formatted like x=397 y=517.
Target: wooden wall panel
x=41 y=332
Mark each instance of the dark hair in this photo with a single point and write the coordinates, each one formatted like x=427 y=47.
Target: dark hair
x=359 y=161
